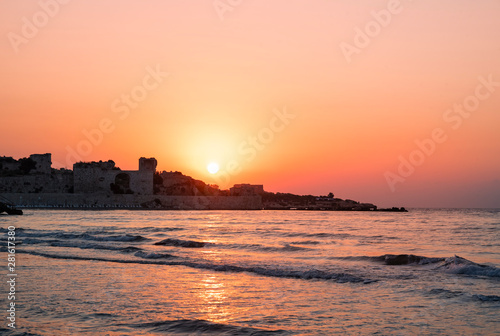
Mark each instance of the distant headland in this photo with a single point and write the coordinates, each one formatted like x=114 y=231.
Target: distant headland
x=32 y=183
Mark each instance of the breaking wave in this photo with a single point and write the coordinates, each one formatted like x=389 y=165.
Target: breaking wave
x=406 y=259
x=84 y=236
x=311 y=274
x=92 y=246
x=199 y=327
x=181 y=243
x=452 y=265
x=145 y=255
x=396 y=259
x=459 y=265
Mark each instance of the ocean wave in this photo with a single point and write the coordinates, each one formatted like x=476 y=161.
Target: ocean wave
x=284 y=248
x=396 y=259
x=260 y=247
x=92 y=246
x=159 y=229
x=37 y=234
x=122 y=238
x=130 y=249
x=486 y=298
x=320 y=235
x=151 y=255
x=18 y=229
x=449 y=294
x=181 y=243
x=407 y=259
x=446 y=293
x=459 y=265
x=311 y=274
x=453 y=265
x=34 y=241
x=201 y=326
x=11 y=332
x=84 y=236
x=306 y=242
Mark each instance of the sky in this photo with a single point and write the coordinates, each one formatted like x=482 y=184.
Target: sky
x=395 y=103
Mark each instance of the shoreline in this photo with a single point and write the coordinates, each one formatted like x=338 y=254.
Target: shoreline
x=139 y=208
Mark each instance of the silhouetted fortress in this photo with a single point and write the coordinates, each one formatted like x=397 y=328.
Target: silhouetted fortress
x=33 y=175
x=104 y=177
x=32 y=182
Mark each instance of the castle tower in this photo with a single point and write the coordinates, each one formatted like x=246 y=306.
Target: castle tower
x=147 y=164
x=43 y=163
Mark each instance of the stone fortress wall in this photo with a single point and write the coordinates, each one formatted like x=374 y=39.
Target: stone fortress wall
x=159 y=202
x=32 y=182
x=33 y=175
x=105 y=178
x=52 y=183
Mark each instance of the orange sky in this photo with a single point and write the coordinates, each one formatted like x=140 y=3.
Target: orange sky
x=356 y=102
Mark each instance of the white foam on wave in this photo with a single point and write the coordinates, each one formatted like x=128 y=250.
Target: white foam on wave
x=459 y=265
x=311 y=274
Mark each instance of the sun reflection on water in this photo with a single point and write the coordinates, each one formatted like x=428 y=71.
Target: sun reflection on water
x=213 y=297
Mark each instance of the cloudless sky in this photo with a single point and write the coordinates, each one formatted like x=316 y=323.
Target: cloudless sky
x=232 y=67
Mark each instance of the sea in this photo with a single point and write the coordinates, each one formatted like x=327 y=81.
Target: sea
x=135 y=272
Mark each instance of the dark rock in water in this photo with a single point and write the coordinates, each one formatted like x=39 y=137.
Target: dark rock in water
x=179 y=242
x=393 y=209
x=9 y=209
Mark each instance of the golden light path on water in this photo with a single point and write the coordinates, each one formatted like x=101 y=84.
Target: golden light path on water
x=305 y=273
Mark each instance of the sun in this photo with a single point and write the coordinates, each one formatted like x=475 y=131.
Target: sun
x=213 y=168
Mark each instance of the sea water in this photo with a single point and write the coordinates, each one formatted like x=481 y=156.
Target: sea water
x=425 y=272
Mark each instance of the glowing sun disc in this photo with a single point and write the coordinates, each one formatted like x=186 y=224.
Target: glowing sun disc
x=213 y=168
